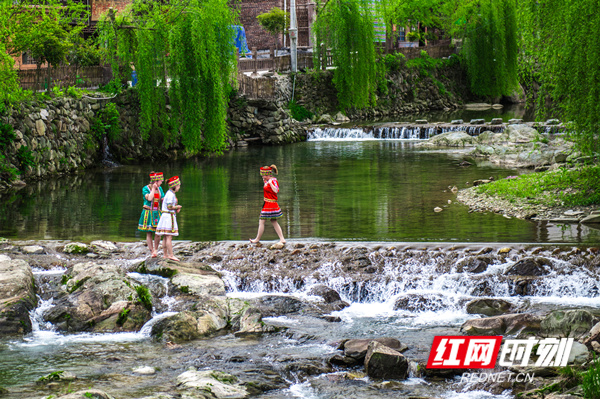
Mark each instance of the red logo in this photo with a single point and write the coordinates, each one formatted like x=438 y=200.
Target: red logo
x=460 y=352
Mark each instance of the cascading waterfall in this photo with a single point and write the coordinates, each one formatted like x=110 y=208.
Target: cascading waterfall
x=395 y=133
x=427 y=285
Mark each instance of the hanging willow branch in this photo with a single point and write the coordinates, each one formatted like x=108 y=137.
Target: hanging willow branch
x=183 y=52
x=347 y=28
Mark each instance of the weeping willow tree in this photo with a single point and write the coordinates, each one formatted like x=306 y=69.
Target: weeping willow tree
x=490 y=44
x=182 y=49
x=562 y=45
x=346 y=27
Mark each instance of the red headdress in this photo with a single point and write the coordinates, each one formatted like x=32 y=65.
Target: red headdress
x=174 y=181
x=266 y=171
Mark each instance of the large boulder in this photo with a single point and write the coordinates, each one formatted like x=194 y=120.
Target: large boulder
x=575 y=323
x=474 y=264
x=420 y=302
x=520 y=324
x=190 y=277
x=357 y=348
x=100 y=297
x=210 y=316
x=278 y=305
x=194 y=384
x=385 y=363
x=489 y=307
x=86 y=393
x=331 y=298
x=17 y=296
x=592 y=339
x=450 y=139
x=529 y=267
x=521 y=134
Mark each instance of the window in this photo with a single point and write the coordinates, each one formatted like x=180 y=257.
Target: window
x=28 y=59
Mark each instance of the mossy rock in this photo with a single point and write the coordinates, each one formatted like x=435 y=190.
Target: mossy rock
x=76 y=248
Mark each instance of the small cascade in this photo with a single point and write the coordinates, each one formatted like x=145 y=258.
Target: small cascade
x=107 y=158
x=159 y=286
x=430 y=289
x=422 y=132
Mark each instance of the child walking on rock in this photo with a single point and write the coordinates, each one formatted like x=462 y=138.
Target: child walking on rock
x=167 y=225
x=271 y=210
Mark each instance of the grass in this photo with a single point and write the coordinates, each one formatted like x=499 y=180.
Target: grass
x=590 y=381
x=144 y=296
x=561 y=187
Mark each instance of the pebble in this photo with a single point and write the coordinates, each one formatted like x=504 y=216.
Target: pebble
x=146 y=370
x=437 y=209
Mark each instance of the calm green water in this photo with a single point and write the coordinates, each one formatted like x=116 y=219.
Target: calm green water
x=370 y=190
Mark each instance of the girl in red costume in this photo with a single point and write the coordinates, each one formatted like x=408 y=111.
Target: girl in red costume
x=270 y=209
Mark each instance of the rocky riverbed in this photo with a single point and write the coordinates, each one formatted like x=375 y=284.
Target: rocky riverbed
x=311 y=319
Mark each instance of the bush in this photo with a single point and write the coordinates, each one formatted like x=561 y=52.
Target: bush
x=112 y=87
x=413 y=36
x=107 y=123
x=25 y=158
x=299 y=113
x=394 y=62
x=7 y=135
x=590 y=381
x=6 y=172
x=74 y=92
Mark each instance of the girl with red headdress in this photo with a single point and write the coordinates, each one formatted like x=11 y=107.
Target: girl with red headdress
x=152 y=194
x=271 y=209
x=167 y=226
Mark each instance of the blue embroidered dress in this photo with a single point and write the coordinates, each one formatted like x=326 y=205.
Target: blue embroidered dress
x=151 y=212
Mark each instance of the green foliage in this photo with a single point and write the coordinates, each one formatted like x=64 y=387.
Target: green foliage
x=590 y=380
x=562 y=187
x=299 y=113
x=144 y=296
x=54 y=376
x=74 y=92
x=122 y=318
x=65 y=278
x=184 y=289
x=76 y=286
x=561 y=53
x=6 y=172
x=58 y=91
x=7 y=135
x=275 y=21
x=490 y=47
x=413 y=36
x=347 y=28
x=25 y=158
x=107 y=123
x=112 y=87
x=191 y=43
x=394 y=62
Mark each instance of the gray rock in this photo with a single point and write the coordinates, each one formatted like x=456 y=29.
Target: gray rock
x=521 y=134
x=552 y=122
x=217 y=384
x=339 y=117
x=496 y=121
x=33 y=249
x=385 y=363
x=579 y=354
x=86 y=393
x=529 y=267
x=457 y=122
x=329 y=295
x=40 y=127
x=489 y=307
x=474 y=264
x=477 y=122
x=420 y=302
x=277 y=305
x=17 y=297
x=515 y=121
x=510 y=324
x=449 y=139
x=95 y=298
x=421 y=121
x=592 y=219
x=567 y=324
x=76 y=248
x=357 y=348
x=104 y=245
x=478 y=106
x=325 y=118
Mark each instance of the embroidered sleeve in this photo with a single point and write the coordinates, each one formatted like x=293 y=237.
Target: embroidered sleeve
x=274 y=185
x=170 y=200
x=145 y=191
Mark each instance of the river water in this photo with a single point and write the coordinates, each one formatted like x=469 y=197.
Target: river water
x=364 y=190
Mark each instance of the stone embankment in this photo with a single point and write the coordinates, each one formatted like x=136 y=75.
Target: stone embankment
x=105 y=287
x=56 y=136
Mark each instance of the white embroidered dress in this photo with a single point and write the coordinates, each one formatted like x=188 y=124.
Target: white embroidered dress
x=167 y=225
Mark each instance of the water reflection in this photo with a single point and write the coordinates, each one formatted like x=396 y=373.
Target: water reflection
x=373 y=191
